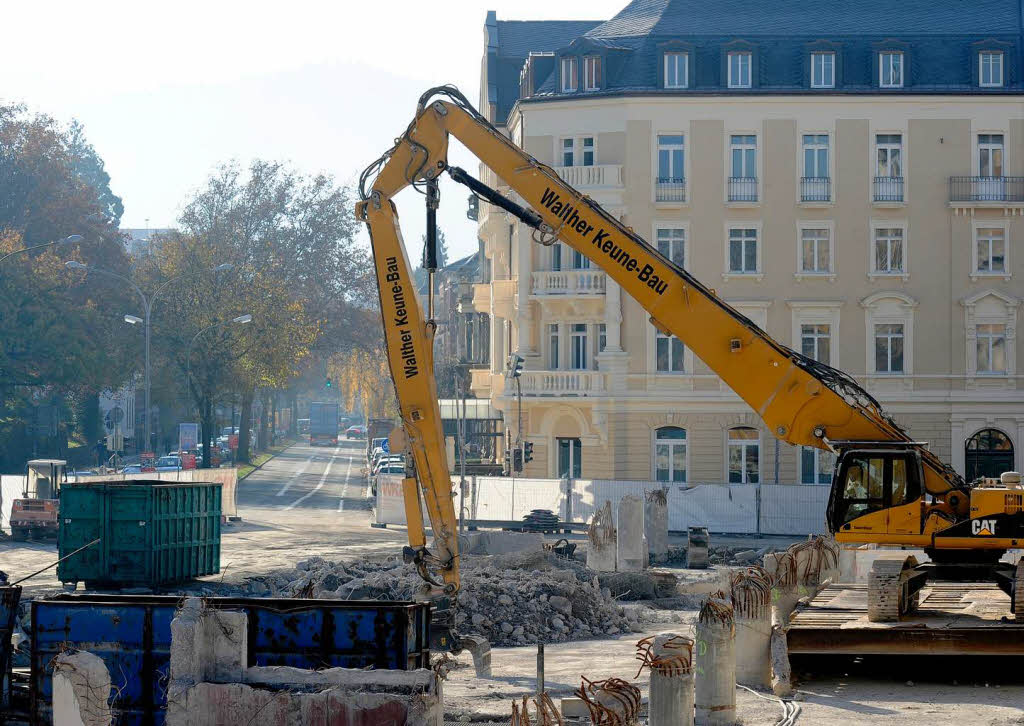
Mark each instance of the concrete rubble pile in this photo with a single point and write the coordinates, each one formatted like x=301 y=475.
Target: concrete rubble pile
x=515 y=599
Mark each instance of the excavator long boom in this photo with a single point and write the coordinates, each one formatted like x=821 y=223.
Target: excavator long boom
x=803 y=402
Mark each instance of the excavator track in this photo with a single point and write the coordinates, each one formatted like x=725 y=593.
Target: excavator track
x=889 y=594
x=1018 y=592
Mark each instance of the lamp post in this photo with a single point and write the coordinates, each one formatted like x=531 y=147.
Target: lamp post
x=69 y=240
x=147 y=307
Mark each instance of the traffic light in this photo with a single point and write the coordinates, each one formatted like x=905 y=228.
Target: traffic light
x=517 y=460
x=328 y=383
x=506 y=468
x=515 y=366
x=527 y=452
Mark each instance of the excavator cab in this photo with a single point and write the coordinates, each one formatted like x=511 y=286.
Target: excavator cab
x=876 y=491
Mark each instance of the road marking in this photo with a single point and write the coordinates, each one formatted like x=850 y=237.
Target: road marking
x=300 y=472
x=319 y=485
x=344 y=488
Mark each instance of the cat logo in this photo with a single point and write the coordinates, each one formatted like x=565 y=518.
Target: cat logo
x=983 y=527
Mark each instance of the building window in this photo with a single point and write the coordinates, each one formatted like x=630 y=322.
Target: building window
x=816 y=341
x=670 y=454
x=739 y=69
x=889 y=348
x=578 y=350
x=990 y=251
x=671 y=181
x=888 y=257
x=568 y=152
x=592 y=73
x=743 y=168
x=554 y=340
x=672 y=244
x=580 y=261
x=991 y=348
x=823 y=70
x=744 y=454
x=815 y=185
x=743 y=251
x=569 y=74
x=556 y=257
x=578 y=151
x=990 y=155
x=888 y=168
x=990 y=69
x=669 y=352
x=890 y=69
x=602 y=340
x=987 y=455
x=816 y=465
x=677 y=70
x=815 y=251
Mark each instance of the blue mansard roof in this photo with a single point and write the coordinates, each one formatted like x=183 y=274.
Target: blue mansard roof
x=940 y=41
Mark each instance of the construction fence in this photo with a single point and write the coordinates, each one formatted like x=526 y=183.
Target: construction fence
x=783 y=509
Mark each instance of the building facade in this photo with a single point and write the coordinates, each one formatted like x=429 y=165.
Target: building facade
x=850 y=179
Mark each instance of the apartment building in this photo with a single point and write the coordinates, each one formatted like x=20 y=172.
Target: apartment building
x=849 y=176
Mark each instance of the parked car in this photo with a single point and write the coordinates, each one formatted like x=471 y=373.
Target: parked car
x=388 y=461
x=132 y=469
x=168 y=463
x=355 y=432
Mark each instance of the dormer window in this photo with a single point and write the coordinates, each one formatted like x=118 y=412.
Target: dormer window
x=990 y=69
x=890 y=69
x=677 y=70
x=592 y=73
x=823 y=70
x=740 y=63
x=569 y=82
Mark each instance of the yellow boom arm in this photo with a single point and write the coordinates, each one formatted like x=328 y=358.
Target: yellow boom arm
x=803 y=402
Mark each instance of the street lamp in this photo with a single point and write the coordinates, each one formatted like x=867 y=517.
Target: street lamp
x=147 y=307
x=69 y=240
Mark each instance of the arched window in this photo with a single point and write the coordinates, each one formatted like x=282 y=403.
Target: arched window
x=988 y=454
x=744 y=455
x=670 y=454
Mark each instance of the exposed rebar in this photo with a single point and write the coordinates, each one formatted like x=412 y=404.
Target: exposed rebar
x=678 y=660
x=611 y=702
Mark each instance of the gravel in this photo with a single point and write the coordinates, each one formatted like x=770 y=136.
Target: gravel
x=517 y=599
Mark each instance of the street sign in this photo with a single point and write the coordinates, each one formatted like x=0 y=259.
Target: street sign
x=386 y=446
x=188 y=461
x=147 y=460
x=188 y=436
x=233 y=442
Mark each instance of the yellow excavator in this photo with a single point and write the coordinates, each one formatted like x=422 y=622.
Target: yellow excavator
x=887 y=488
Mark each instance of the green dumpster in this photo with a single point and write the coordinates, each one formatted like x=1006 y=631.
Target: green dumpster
x=150 y=533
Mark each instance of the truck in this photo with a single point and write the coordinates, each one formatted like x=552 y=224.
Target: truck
x=323 y=424
x=377 y=430
x=35 y=513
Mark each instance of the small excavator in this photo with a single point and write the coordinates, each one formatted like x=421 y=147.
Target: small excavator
x=887 y=488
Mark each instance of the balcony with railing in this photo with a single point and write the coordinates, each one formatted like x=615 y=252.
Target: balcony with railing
x=569 y=282
x=670 y=189
x=588 y=177
x=982 y=190
x=888 y=189
x=815 y=189
x=562 y=383
x=743 y=189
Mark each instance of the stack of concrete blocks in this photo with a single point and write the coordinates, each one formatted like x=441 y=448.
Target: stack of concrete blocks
x=632 y=552
x=751 y=602
x=211 y=685
x=656 y=524
x=81 y=690
x=601 y=540
x=715 y=684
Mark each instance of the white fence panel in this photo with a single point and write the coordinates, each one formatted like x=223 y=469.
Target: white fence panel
x=728 y=508
x=10 y=489
x=588 y=495
x=793 y=509
x=508 y=498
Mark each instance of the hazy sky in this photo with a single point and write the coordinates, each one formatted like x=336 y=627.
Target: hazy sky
x=166 y=91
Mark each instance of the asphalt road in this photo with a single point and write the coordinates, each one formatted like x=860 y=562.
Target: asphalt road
x=311 y=479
